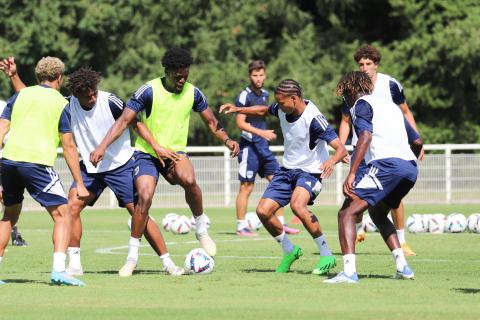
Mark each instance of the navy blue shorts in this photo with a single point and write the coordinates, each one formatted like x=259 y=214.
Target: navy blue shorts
x=42 y=183
x=387 y=180
x=284 y=181
x=255 y=158
x=148 y=165
x=119 y=180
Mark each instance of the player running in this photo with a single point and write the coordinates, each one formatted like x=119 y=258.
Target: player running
x=255 y=155
x=368 y=58
x=383 y=142
x=306 y=163
x=33 y=119
x=164 y=105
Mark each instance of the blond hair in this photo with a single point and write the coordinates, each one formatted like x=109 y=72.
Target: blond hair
x=49 y=68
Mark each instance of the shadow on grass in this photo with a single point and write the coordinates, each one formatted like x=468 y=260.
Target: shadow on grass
x=467 y=290
x=375 y=276
x=25 y=281
x=228 y=233
x=115 y=272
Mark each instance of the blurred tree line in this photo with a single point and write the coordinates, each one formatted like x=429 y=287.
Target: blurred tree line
x=432 y=47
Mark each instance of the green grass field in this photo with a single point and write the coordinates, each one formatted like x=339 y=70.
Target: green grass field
x=243 y=285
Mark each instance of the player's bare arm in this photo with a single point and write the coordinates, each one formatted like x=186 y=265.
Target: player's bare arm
x=343 y=132
x=340 y=153
x=217 y=130
x=253 y=110
x=242 y=124
x=9 y=67
x=127 y=117
x=363 y=144
x=71 y=157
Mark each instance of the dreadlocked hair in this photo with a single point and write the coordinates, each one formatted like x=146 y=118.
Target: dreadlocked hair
x=368 y=52
x=176 y=58
x=352 y=85
x=83 y=79
x=289 y=87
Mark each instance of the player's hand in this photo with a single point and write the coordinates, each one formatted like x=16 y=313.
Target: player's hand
x=8 y=66
x=234 y=147
x=348 y=189
x=422 y=154
x=346 y=159
x=327 y=168
x=268 y=135
x=228 y=108
x=82 y=192
x=164 y=153
x=96 y=156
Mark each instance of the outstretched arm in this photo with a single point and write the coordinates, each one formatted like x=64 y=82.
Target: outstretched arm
x=217 y=130
x=253 y=110
x=242 y=124
x=9 y=67
x=71 y=157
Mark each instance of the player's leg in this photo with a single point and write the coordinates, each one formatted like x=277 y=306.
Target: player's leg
x=241 y=203
x=361 y=230
x=398 y=216
x=9 y=219
x=280 y=215
x=183 y=174
x=247 y=171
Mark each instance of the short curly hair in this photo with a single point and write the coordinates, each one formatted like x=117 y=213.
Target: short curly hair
x=83 y=79
x=368 y=52
x=176 y=58
x=49 y=69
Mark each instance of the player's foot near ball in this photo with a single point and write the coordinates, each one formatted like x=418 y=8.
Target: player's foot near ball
x=325 y=264
x=289 y=230
x=63 y=278
x=245 y=232
x=289 y=259
x=407 y=250
x=207 y=243
x=343 y=278
x=361 y=235
x=406 y=273
x=128 y=268
x=174 y=270
x=75 y=271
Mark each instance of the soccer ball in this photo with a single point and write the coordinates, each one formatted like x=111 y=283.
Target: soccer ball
x=130 y=222
x=198 y=261
x=168 y=220
x=368 y=223
x=473 y=223
x=436 y=223
x=181 y=225
x=455 y=223
x=416 y=224
x=253 y=221
x=193 y=223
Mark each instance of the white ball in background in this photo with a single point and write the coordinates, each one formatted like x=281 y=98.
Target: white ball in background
x=253 y=221
x=455 y=223
x=436 y=223
x=473 y=223
x=416 y=224
x=168 y=220
x=368 y=223
x=181 y=225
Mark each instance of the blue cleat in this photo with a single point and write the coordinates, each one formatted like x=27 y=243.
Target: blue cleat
x=343 y=278
x=406 y=273
x=63 y=278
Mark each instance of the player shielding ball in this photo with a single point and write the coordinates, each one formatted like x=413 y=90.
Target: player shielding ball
x=306 y=162
x=383 y=141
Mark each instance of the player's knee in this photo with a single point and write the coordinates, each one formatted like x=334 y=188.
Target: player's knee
x=298 y=207
x=263 y=213
x=144 y=202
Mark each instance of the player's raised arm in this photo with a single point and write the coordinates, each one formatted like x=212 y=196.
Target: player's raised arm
x=253 y=110
x=218 y=131
x=242 y=124
x=9 y=67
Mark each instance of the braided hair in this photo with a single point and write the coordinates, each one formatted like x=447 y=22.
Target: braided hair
x=289 y=87
x=352 y=85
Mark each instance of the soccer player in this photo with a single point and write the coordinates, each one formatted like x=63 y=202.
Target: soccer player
x=368 y=58
x=89 y=115
x=164 y=105
x=33 y=118
x=306 y=162
x=255 y=156
x=391 y=171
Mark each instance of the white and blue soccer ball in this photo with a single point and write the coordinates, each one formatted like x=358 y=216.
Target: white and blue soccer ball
x=198 y=261
x=253 y=221
x=368 y=223
x=181 y=225
x=473 y=223
x=436 y=223
x=416 y=224
x=455 y=223
x=168 y=220
x=193 y=223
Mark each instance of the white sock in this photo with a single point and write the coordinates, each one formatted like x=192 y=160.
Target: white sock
x=74 y=258
x=242 y=224
x=323 y=246
x=349 y=264
x=133 y=246
x=282 y=219
x=399 y=259
x=59 y=259
x=1 y=258
x=166 y=260
x=283 y=240
x=359 y=227
x=201 y=223
x=401 y=236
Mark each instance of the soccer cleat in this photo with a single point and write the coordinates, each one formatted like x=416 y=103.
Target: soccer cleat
x=343 y=278
x=63 y=278
x=361 y=235
x=245 y=232
x=407 y=250
x=289 y=259
x=406 y=273
x=75 y=271
x=325 y=264
x=174 y=270
x=2 y=282
x=289 y=230
x=128 y=268
x=17 y=239
x=207 y=243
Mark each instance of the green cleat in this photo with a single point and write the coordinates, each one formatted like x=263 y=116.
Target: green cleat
x=288 y=259
x=325 y=264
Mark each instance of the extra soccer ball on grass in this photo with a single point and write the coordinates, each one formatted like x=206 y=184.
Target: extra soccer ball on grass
x=198 y=261
x=253 y=221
